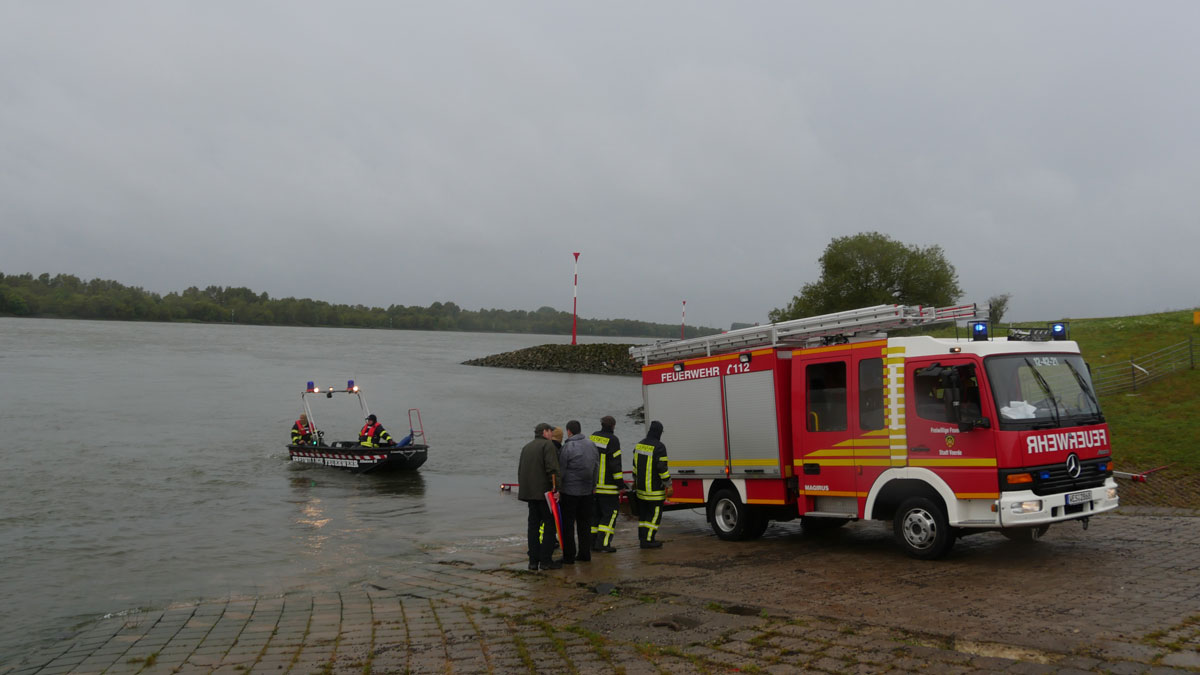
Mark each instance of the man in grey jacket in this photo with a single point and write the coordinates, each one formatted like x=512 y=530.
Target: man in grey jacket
x=580 y=461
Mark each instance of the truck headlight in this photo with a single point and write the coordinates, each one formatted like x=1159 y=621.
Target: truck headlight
x=1112 y=493
x=1032 y=506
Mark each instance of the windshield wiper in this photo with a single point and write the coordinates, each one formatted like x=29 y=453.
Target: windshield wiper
x=1087 y=390
x=1045 y=388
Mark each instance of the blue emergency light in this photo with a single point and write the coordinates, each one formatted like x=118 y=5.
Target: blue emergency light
x=1058 y=330
x=310 y=386
x=979 y=330
x=349 y=385
x=1045 y=475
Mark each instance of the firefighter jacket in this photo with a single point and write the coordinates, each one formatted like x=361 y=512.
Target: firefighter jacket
x=301 y=433
x=611 y=479
x=651 y=476
x=373 y=435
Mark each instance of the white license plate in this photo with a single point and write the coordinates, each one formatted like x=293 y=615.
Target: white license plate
x=1074 y=498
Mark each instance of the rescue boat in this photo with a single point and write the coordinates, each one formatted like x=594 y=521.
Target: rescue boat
x=406 y=454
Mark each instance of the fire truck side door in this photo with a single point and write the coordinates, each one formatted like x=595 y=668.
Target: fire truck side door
x=965 y=460
x=821 y=433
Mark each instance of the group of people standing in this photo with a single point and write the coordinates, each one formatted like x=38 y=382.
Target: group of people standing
x=583 y=474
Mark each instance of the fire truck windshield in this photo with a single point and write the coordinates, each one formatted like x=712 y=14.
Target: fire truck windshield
x=1042 y=391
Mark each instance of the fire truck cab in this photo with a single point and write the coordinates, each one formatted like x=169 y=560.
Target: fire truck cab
x=828 y=420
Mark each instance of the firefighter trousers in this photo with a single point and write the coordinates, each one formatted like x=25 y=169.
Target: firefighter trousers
x=604 y=521
x=649 y=516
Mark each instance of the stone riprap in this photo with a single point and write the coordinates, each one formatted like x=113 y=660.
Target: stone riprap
x=599 y=359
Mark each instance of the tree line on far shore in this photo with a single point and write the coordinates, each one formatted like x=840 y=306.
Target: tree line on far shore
x=69 y=297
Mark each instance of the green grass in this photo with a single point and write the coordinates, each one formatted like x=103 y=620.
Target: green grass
x=1158 y=424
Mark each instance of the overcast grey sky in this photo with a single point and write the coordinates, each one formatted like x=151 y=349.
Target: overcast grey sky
x=404 y=153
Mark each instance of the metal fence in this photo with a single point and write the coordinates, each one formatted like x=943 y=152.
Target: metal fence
x=1138 y=372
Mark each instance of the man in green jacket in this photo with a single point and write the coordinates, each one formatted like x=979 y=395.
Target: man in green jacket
x=538 y=474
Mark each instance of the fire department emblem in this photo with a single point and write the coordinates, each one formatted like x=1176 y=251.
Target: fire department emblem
x=949 y=441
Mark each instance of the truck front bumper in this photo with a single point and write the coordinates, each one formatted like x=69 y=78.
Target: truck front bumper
x=1025 y=509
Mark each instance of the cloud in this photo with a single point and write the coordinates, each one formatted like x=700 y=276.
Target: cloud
x=382 y=153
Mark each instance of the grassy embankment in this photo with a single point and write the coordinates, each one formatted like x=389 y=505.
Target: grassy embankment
x=1159 y=424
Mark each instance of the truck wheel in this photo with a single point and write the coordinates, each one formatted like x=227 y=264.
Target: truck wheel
x=730 y=518
x=1025 y=535
x=758 y=525
x=922 y=529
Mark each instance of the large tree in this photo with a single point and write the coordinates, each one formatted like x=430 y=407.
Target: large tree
x=869 y=269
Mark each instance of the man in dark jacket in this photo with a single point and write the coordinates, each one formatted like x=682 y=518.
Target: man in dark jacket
x=609 y=483
x=652 y=481
x=538 y=474
x=579 y=461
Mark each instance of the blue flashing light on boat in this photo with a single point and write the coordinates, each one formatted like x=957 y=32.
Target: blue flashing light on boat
x=310 y=386
x=350 y=386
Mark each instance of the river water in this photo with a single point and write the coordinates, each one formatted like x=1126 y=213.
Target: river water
x=145 y=463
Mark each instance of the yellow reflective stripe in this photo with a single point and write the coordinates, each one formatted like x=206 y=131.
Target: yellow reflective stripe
x=875 y=451
x=755 y=462
x=606 y=490
x=683 y=500
x=766 y=501
x=977 y=495
x=695 y=462
x=951 y=462
x=600 y=441
x=826 y=462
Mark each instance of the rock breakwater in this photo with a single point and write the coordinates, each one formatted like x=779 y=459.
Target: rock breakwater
x=600 y=359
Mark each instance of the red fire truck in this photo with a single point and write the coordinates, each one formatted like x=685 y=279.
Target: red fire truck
x=829 y=420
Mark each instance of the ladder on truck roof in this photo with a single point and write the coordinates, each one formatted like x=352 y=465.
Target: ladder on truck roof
x=803 y=331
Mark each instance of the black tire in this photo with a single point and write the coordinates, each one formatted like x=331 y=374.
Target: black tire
x=815 y=525
x=1025 y=535
x=730 y=517
x=922 y=529
x=758 y=525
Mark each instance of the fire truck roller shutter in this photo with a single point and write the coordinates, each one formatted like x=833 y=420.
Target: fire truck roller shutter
x=691 y=414
x=753 y=429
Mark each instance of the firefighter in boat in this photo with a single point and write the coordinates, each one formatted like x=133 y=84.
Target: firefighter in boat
x=652 y=483
x=302 y=431
x=373 y=435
